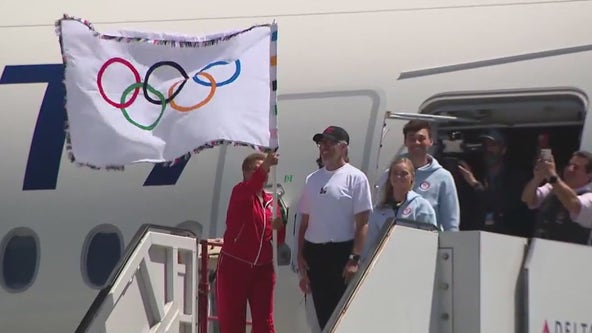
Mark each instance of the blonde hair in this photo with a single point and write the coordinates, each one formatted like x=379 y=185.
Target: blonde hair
x=387 y=195
x=249 y=160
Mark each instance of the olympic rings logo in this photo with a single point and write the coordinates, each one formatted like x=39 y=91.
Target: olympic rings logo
x=173 y=91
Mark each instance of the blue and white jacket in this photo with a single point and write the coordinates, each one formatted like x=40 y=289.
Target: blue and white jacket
x=414 y=208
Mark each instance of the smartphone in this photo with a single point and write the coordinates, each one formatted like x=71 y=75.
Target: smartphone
x=546 y=154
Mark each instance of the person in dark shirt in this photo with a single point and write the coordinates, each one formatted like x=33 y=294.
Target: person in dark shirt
x=499 y=207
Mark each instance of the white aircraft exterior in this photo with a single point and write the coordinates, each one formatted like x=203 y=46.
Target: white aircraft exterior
x=340 y=63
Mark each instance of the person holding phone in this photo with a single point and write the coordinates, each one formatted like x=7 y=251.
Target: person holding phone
x=564 y=203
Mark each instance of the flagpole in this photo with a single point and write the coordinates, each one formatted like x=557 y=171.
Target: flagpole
x=275 y=210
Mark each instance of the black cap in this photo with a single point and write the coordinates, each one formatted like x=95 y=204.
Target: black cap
x=334 y=133
x=494 y=135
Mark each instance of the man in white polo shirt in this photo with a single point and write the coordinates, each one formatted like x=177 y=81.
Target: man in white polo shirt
x=335 y=205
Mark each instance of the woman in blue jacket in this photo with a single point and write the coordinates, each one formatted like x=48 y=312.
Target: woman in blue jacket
x=399 y=201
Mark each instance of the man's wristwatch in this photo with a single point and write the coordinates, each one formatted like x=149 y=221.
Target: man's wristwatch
x=354 y=257
x=552 y=179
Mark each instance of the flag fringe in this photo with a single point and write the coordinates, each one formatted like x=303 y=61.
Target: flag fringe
x=172 y=43
x=184 y=157
x=166 y=42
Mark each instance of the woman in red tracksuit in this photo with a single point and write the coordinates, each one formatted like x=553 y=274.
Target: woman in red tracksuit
x=245 y=267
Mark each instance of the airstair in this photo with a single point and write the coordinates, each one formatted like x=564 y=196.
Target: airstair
x=417 y=280
x=468 y=282
x=153 y=289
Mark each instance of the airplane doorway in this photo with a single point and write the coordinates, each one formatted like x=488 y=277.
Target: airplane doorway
x=527 y=119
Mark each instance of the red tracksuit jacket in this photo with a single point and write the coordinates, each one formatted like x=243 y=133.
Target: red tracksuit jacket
x=248 y=232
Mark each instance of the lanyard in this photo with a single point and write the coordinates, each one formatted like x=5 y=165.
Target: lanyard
x=396 y=206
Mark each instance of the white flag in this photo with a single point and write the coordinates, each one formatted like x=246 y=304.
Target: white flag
x=135 y=96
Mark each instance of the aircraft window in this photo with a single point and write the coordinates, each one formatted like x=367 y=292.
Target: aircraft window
x=20 y=259
x=102 y=250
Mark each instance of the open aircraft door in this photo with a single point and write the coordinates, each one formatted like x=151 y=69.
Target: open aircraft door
x=536 y=71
